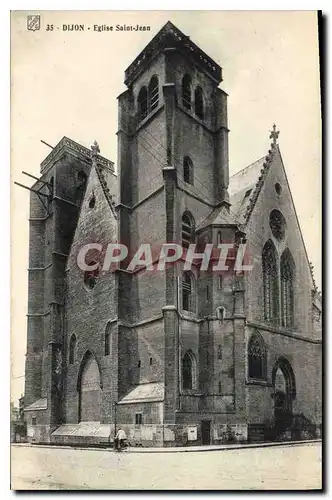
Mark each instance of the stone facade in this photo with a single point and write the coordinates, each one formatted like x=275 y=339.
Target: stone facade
x=123 y=350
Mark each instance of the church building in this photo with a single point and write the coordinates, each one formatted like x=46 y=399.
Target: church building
x=174 y=357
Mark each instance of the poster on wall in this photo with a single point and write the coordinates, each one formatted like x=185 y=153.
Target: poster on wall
x=192 y=433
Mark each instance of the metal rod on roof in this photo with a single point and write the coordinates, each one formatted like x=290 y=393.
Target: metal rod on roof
x=46 y=144
x=33 y=177
x=31 y=189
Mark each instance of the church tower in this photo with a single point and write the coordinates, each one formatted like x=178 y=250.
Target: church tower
x=173 y=176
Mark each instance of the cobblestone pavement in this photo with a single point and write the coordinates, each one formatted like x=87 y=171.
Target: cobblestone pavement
x=285 y=467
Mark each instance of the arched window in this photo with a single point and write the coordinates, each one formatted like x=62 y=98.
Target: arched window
x=90 y=277
x=189 y=371
x=186 y=92
x=142 y=103
x=188 y=292
x=270 y=283
x=221 y=313
x=188 y=229
x=256 y=357
x=188 y=170
x=287 y=290
x=199 y=105
x=153 y=93
x=72 y=349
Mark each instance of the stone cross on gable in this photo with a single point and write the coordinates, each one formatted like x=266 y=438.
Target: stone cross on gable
x=274 y=135
x=95 y=149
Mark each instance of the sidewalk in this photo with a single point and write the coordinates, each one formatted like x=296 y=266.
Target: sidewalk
x=178 y=449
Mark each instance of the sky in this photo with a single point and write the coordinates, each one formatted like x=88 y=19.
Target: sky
x=65 y=83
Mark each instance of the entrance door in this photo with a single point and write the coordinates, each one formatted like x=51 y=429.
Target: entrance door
x=206 y=431
x=284 y=392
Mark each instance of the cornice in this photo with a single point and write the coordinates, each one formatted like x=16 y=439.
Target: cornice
x=69 y=146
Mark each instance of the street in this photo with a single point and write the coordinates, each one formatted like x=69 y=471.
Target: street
x=283 y=467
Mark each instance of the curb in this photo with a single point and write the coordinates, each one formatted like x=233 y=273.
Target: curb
x=179 y=449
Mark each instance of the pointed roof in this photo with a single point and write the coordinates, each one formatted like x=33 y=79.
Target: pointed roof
x=101 y=177
x=218 y=216
x=110 y=200
x=245 y=187
x=170 y=37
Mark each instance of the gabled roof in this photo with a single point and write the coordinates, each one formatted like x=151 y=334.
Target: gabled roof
x=218 y=216
x=110 y=200
x=245 y=187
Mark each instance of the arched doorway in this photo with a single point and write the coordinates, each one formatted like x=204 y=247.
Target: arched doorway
x=284 y=391
x=89 y=389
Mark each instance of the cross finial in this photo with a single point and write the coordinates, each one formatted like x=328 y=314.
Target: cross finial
x=274 y=135
x=95 y=149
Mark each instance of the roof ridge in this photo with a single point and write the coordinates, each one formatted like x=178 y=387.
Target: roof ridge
x=258 y=186
x=248 y=166
x=105 y=189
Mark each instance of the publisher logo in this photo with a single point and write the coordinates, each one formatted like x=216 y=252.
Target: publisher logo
x=33 y=23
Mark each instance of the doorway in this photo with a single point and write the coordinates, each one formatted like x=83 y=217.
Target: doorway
x=284 y=393
x=206 y=431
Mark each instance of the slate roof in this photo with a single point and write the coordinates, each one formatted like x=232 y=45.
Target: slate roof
x=218 y=216
x=245 y=186
x=83 y=429
x=150 y=392
x=40 y=404
x=241 y=187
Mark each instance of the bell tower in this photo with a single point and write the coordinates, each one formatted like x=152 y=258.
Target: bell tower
x=173 y=164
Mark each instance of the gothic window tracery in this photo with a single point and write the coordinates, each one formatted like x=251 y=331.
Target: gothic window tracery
x=270 y=283
x=287 y=291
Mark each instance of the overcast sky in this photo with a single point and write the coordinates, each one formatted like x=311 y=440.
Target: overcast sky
x=66 y=83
